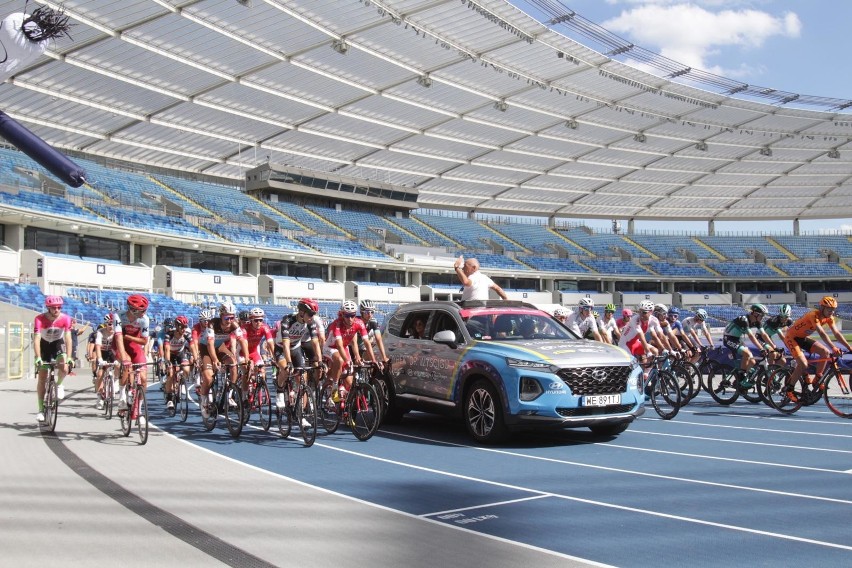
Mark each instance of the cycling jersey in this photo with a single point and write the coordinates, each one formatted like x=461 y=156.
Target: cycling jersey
x=630 y=333
x=177 y=342
x=692 y=323
x=219 y=332
x=807 y=324
x=775 y=324
x=347 y=334
x=199 y=330
x=255 y=336
x=580 y=325
x=298 y=332
x=52 y=334
x=677 y=327
x=607 y=327
x=132 y=326
x=738 y=327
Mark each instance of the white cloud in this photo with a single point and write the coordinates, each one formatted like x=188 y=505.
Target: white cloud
x=692 y=35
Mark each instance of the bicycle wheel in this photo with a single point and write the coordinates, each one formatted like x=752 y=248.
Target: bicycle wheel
x=838 y=397
x=363 y=407
x=263 y=400
x=684 y=382
x=126 y=421
x=141 y=415
x=748 y=386
x=306 y=414
x=285 y=413
x=694 y=377
x=183 y=399
x=722 y=385
x=777 y=395
x=665 y=395
x=108 y=396
x=233 y=408
x=51 y=406
x=328 y=409
x=212 y=412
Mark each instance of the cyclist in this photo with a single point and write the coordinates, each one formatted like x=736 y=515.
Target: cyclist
x=561 y=314
x=176 y=353
x=367 y=309
x=776 y=325
x=131 y=329
x=608 y=327
x=156 y=348
x=740 y=326
x=220 y=344
x=199 y=330
x=797 y=340
x=257 y=334
x=633 y=335
x=90 y=351
x=583 y=320
x=626 y=314
x=691 y=326
x=663 y=338
x=300 y=338
x=105 y=352
x=340 y=335
x=51 y=343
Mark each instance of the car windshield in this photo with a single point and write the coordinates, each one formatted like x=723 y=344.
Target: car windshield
x=515 y=327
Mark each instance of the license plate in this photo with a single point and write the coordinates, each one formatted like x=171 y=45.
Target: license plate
x=601 y=399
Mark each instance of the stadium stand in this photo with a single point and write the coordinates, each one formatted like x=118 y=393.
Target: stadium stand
x=537 y=238
x=469 y=233
x=742 y=247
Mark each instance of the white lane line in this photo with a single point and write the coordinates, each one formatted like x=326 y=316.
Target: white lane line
x=719 y=411
x=590 y=501
x=732 y=441
x=497 y=504
x=775 y=430
x=626 y=471
x=388 y=509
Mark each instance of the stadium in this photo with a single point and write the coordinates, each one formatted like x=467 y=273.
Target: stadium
x=262 y=151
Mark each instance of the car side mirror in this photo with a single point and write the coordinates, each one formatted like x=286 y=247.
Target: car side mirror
x=446 y=337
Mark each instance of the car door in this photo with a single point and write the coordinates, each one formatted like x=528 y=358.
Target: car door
x=443 y=359
x=410 y=354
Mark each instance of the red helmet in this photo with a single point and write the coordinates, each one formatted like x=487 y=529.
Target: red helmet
x=53 y=302
x=137 y=302
x=182 y=321
x=309 y=305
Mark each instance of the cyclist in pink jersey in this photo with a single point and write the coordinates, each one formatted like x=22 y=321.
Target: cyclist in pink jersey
x=51 y=343
x=339 y=337
x=132 y=341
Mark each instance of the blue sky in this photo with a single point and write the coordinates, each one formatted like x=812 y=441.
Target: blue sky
x=789 y=45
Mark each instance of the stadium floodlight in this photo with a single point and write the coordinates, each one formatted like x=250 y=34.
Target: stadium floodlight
x=834 y=154
x=640 y=137
x=501 y=106
x=340 y=46
x=701 y=146
x=572 y=124
x=424 y=81
x=766 y=151
x=246 y=3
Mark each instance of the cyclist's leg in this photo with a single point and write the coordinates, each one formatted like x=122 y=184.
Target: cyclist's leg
x=801 y=361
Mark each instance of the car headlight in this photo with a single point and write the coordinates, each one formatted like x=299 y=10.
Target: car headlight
x=532 y=365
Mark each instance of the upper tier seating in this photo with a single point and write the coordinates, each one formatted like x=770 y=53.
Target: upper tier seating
x=602 y=244
x=360 y=223
x=816 y=246
x=739 y=247
x=537 y=238
x=470 y=233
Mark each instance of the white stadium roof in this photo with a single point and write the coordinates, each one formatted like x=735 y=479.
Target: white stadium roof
x=473 y=102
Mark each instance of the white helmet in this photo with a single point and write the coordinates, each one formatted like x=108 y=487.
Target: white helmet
x=206 y=315
x=586 y=303
x=348 y=306
x=257 y=313
x=785 y=311
x=228 y=308
x=560 y=312
x=661 y=308
x=646 y=306
x=701 y=314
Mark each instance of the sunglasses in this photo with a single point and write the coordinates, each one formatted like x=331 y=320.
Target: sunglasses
x=349 y=315
x=55 y=308
x=136 y=311
x=366 y=311
x=256 y=321
x=228 y=318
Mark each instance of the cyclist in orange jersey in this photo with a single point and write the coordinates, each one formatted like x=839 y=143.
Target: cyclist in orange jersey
x=798 y=341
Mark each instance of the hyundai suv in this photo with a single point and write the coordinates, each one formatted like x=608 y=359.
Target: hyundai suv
x=505 y=366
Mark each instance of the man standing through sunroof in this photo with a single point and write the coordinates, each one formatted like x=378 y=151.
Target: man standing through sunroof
x=475 y=283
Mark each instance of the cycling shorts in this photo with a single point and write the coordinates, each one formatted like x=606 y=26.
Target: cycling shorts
x=799 y=345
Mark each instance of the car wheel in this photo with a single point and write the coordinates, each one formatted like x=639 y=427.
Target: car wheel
x=483 y=413
x=609 y=429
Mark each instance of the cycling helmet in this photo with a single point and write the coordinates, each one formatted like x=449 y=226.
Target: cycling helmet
x=610 y=308
x=111 y=319
x=182 y=321
x=53 y=302
x=560 y=312
x=158 y=329
x=168 y=324
x=308 y=305
x=586 y=303
x=660 y=308
x=348 y=307
x=137 y=302
x=759 y=308
x=367 y=305
x=785 y=311
x=674 y=311
x=646 y=306
x=206 y=315
x=701 y=314
x=828 y=302
x=244 y=316
x=596 y=314
x=227 y=308
x=627 y=313
x=257 y=313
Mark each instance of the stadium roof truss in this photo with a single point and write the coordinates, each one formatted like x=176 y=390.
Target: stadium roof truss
x=473 y=102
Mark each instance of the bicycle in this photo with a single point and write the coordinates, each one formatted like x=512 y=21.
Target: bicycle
x=181 y=394
x=662 y=388
x=300 y=406
x=363 y=406
x=258 y=398
x=51 y=397
x=833 y=387
x=225 y=397
x=109 y=384
x=137 y=406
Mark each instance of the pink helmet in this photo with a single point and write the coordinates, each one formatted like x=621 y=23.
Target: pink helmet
x=626 y=313
x=53 y=302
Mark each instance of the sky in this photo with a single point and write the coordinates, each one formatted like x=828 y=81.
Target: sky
x=789 y=45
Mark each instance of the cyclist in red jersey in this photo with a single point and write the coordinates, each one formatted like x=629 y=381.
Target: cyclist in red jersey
x=131 y=340
x=339 y=337
x=257 y=333
x=199 y=330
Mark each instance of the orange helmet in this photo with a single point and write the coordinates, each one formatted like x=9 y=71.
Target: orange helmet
x=828 y=302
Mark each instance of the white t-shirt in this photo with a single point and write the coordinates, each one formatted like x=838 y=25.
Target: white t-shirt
x=479 y=286
x=580 y=325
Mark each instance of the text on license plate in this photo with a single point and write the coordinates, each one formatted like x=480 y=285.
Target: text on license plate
x=601 y=399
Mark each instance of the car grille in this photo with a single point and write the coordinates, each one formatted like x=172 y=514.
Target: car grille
x=594 y=410
x=596 y=380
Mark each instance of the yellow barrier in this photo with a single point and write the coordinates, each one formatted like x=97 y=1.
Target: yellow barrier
x=15 y=350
